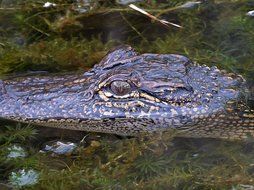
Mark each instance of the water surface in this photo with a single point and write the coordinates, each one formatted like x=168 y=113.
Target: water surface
x=72 y=36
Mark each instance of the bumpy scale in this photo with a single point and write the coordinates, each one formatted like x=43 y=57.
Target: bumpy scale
x=128 y=94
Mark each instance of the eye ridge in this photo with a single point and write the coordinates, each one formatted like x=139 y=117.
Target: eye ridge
x=120 y=88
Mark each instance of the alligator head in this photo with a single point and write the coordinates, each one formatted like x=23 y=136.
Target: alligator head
x=126 y=94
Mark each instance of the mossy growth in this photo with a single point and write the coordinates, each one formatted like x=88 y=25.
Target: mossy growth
x=54 y=56
x=148 y=162
x=214 y=33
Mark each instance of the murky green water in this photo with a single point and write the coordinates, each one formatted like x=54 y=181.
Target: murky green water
x=71 y=36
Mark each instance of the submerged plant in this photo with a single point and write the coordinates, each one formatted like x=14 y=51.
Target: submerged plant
x=11 y=134
x=55 y=55
x=149 y=165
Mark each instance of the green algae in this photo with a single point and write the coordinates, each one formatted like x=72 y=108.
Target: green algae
x=60 y=39
x=145 y=163
x=55 y=55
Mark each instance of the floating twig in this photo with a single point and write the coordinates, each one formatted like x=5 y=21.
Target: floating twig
x=164 y=22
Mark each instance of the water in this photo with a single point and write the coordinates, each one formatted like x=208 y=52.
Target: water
x=73 y=36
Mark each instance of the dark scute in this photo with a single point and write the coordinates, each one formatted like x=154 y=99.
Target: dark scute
x=119 y=53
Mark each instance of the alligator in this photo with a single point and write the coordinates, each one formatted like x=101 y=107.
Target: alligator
x=129 y=94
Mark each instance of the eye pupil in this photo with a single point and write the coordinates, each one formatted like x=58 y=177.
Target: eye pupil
x=120 y=87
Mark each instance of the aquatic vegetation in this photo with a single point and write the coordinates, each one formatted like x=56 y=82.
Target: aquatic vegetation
x=11 y=134
x=55 y=55
x=148 y=163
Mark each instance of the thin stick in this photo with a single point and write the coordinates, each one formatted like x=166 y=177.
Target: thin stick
x=133 y=28
x=37 y=29
x=164 y=22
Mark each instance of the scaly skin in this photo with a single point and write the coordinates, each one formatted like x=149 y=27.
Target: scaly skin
x=129 y=94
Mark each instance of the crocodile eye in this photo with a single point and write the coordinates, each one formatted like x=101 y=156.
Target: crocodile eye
x=120 y=88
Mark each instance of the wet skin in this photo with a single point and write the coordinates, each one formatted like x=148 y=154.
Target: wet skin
x=129 y=94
